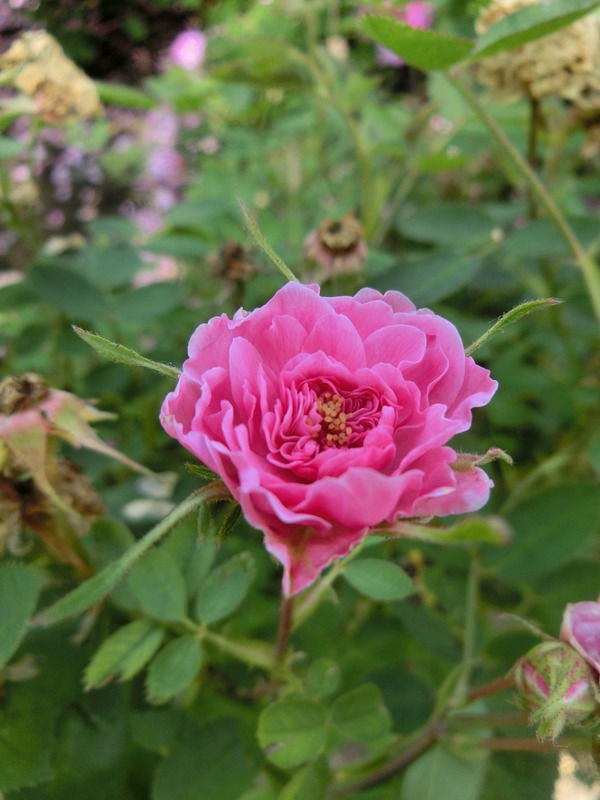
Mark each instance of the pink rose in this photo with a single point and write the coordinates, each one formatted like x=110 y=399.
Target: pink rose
x=326 y=416
x=581 y=629
x=417 y=15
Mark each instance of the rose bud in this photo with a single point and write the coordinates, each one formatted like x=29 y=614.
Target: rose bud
x=556 y=687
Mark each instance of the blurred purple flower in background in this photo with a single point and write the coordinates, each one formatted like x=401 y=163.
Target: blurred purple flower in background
x=188 y=48
x=417 y=15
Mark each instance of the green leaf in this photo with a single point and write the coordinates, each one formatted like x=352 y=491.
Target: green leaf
x=261 y=242
x=174 y=668
x=149 y=302
x=361 y=714
x=440 y=774
x=200 y=213
x=531 y=23
x=123 y=355
x=119 y=94
x=124 y=653
x=378 y=579
x=550 y=529
x=514 y=775
x=418 y=47
x=225 y=588
x=185 y=246
x=292 y=731
x=68 y=291
x=514 y=315
x=158 y=584
x=19 y=590
x=323 y=678
x=448 y=224
x=95 y=589
x=193 y=555
x=205 y=763
x=429 y=278
x=309 y=783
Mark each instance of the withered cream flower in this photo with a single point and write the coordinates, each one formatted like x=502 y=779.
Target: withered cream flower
x=563 y=64
x=39 y=68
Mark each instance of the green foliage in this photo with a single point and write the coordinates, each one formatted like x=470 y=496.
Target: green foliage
x=124 y=653
x=292 y=731
x=174 y=668
x=224 y=589
x=420 y=48
x=441 y=773
x=159 y=586
x=377 y=579
x=19 y=589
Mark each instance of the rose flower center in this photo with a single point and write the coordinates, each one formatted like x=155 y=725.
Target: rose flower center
x=335 y=429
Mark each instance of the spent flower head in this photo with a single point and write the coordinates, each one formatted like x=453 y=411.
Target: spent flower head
x=337 y=246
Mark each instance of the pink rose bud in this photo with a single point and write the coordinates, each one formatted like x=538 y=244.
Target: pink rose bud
x=327 y=416
x=187 y=50
x=581 y=629
x=556 y=687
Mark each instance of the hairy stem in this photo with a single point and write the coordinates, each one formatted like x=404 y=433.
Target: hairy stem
x=285 y=626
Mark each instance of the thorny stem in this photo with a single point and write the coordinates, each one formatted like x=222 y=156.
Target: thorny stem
x=285 y=626
x=589 y=268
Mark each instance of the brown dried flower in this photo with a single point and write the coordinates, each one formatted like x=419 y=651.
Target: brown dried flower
x=232 y=263
x=43 y=71
x=337 y=246
x=563 y=64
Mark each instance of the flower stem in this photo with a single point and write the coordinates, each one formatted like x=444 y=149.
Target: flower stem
x=285 y=626
x=461 y=692
x=498 y=685
x=586 y=263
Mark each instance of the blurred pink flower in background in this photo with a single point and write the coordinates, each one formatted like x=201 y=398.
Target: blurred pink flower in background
x=162 y=268
x=581 y=629
x=187 y=49
x=417 y=15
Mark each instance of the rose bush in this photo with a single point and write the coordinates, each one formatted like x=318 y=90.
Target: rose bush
x=328 y=416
